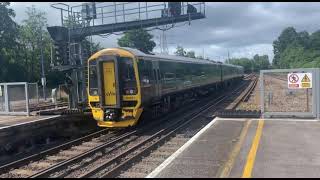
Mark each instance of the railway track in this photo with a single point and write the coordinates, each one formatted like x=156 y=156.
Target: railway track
x=48 y=105
x=105 y=154
x=54 y=160
x=156 y=153
x=248 y=91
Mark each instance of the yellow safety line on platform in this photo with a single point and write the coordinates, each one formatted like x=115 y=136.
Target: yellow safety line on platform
x=247 y=172
x=233 y=155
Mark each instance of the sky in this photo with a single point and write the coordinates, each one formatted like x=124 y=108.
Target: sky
x=241 y=28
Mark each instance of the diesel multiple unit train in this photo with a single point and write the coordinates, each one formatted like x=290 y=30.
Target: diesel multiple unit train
x=123 y=83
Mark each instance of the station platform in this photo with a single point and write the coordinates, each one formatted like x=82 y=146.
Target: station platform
x=10 y=121
x=257 y=148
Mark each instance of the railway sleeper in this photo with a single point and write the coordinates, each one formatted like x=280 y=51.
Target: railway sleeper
x=161 y=153
x=152 y=160
x=41 y=165
x=22 y=172
x=142 y=167
x=133 y=174
x=167 y=149
x=57 y=158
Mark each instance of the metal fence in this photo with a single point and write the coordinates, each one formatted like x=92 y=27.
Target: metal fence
x=18 y=98
x=279 y=99
x=21 y=98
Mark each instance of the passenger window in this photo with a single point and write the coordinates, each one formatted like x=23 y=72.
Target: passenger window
x=145 y=69
x=169 y=76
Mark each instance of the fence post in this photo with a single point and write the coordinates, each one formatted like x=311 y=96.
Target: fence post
x=262 y=94
x=37 y=90
x=6 y=100
x=317 y=80
x=27 y=98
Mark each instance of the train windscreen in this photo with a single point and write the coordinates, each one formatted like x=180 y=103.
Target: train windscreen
x=93 y=78
x=127 y=76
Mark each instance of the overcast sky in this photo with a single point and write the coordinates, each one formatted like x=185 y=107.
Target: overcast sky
x=243 y=29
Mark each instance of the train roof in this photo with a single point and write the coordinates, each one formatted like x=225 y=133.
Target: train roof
x=165 y=57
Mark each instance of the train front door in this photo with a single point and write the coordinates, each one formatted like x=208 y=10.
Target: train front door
x=109 y=83
x=157 y=77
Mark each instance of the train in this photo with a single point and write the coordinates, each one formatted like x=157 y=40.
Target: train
x=123 y=83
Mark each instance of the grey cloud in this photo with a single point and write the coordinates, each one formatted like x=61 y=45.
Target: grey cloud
x=241 y=28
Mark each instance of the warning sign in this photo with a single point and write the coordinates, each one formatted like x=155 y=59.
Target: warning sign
x=305 y=78
x=299 y=80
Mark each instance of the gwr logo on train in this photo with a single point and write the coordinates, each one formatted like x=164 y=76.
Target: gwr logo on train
x=299 y=80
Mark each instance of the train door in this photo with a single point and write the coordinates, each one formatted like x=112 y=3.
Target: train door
x=157 y=77
x=108 y=82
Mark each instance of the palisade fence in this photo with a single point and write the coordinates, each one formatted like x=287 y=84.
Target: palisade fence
x=21 y=98
x=280 y=100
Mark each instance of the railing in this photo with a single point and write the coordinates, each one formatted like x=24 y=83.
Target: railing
x=107 y=13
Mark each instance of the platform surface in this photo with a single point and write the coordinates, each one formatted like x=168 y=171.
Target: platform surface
x=248 y=148
x=9 y=121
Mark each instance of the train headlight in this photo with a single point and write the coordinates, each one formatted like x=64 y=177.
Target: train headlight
x=131 y=91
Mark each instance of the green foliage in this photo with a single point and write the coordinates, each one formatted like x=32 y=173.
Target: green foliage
x=200 y=57
x=181 y=52
x=296 y=49
x=8 y=44
x=139 y=39
x=252 y=65
x=191 y=54
x=20 y=47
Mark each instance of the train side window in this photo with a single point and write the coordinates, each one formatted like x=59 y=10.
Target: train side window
x=145 y=72
x=154 y=74
x=159 y=75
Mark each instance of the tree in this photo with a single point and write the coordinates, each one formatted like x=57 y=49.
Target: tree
x=287 y=36
x=246 y=63
x=200 y=57
x=180 y=51
x=34 y=36
x=261 y=62
x=191 y=54
x=137 y=38
x=9 y=45
x=296 y=49
x=255 y=64
x=8 y=28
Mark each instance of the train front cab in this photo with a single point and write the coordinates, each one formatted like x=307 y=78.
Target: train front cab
x=114 y=89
